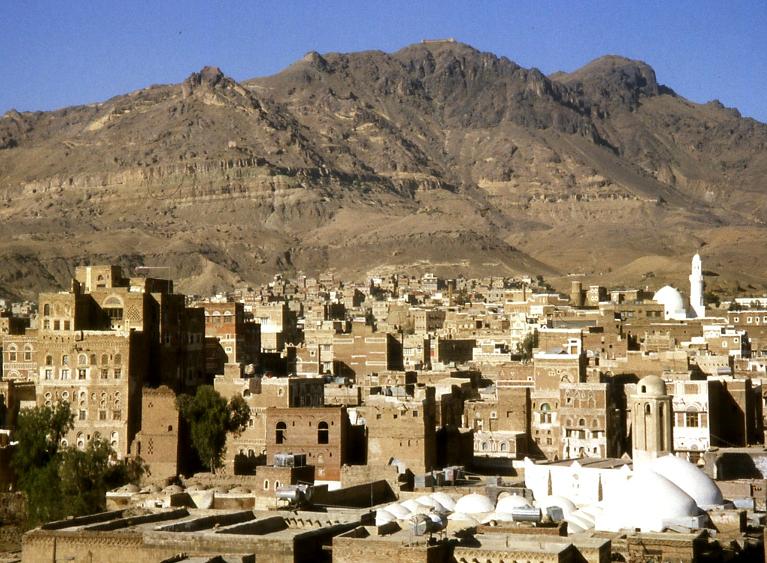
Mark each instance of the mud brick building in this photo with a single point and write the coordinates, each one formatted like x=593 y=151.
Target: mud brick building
x=19 y=360
x=321 y=433
x=364 y=351
x=247 y=449
x=229 y=339
x=551 y=371
x=591 y=420
x=100 y=374
x=402 y=428
x=159 y=443
x=99 y=344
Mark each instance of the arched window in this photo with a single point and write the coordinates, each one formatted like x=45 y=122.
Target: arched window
x=93 y=359
x=503 y=446
x=322 y=433
x=104 y=359
x=647 y=408
x=28 y=353
x=46 y=310
x=82 y=360
x=279 y=437
x=49 y=360
x=118 y=359
x=545 y=413
x=12 y=353
x=581 y=422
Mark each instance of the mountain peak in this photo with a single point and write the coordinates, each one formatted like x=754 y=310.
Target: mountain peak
x=613 y=79
x=208 y=78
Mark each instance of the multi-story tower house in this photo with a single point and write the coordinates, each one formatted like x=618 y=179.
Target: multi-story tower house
x=229 y=338
x=99 y=343
x=402 y=428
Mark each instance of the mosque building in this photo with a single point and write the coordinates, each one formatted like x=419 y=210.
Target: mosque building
x=672 y=301
x=663 y=490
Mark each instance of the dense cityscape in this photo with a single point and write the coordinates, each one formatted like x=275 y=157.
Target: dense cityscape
x=399 y=418
x=380 y=282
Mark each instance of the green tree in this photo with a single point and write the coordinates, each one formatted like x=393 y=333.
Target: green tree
x=525 y=348
x=58 y=481
x=39 y=432
x=35 y=460
x=210 y=417
x=87 y=475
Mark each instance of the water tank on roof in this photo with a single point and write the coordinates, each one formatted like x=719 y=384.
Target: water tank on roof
x=522 y=514
x=289 y=460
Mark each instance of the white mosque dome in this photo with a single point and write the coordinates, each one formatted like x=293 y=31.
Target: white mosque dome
x=574 y=527
x=463 y=518
x=565 y=504
x=671 y=299
x=444 y=499
x=398 y=510
x=689 y=478
x=497 y=517
x=585 y=516
x=383 y=516
x=579 y=521
x=510 y=502
x=646 y=501
x=430 y=502
x=474 y=503
x=411 y=505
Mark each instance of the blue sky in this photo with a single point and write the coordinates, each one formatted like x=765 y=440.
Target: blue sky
x=56 y=53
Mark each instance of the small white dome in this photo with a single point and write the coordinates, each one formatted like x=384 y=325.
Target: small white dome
x=411 y=505
x=579 y=521
x=444 y=499
x=463 y=518
x=689 y=478
x=566 y=505
x=580 y=515
x=398 y=510
x=671 y=299
x=474 y=503
x=497 y=517
x=383 y=516
x=430 y=502
x=651 y=385
x=510 y=502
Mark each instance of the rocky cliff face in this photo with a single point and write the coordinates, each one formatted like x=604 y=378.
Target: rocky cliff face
x=435 y=157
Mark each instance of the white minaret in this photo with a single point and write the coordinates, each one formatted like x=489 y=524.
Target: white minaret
x=696 y=287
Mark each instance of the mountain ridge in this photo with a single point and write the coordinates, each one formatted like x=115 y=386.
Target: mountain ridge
x=450 y=154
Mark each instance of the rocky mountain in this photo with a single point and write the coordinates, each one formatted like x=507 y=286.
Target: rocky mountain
x=437 y=157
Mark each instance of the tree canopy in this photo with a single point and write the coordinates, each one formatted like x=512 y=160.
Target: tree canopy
x=528 y=344
x=64 y=481
x=210 y=417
